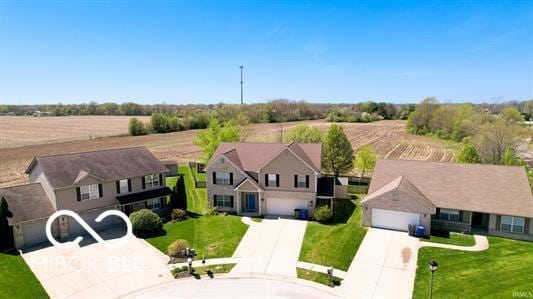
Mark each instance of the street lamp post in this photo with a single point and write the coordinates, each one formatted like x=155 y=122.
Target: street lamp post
x=433 y=265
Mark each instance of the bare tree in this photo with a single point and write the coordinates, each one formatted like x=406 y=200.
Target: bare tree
x=495 y=139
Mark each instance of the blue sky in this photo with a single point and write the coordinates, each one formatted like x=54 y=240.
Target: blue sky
x=330 y=51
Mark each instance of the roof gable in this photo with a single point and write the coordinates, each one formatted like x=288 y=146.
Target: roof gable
x=248 y=184
x=401 y=189
x=472 y=187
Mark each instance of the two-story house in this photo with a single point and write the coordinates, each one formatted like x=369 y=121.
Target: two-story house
x=267 y=178
x=87 y=183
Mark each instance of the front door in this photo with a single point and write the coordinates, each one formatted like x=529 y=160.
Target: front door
x=250 y=202
x=478 y=219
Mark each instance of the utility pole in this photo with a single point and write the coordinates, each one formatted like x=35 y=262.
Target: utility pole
x=242 y=102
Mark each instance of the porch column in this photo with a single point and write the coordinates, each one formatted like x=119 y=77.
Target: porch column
x=238 y=202
x=259 y=201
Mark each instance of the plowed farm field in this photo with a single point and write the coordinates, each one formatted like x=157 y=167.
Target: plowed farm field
x=388 y=138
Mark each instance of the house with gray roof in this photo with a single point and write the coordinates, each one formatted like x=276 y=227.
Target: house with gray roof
x=268 y=178
x=87 y=183
x=490 y=199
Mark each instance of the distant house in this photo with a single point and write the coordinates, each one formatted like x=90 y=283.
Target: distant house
x=88 y=183
x=268 y=178
x=491 y=199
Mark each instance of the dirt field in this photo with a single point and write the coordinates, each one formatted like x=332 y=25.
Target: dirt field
x=18 y=131
x=388 y=138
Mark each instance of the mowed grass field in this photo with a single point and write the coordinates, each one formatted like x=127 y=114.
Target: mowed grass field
x=388 y=138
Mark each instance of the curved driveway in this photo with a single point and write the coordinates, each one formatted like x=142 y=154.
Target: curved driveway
x=236 y=288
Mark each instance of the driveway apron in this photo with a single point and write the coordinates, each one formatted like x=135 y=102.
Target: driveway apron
x=384 y=266
x=271 y=247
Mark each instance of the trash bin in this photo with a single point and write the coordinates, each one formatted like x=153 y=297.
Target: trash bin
x=303 y=214
x=419 y=232
x=411 y=230
x=297 y=213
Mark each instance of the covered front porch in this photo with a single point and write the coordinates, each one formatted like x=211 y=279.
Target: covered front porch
x=460 y=221
x=154 y=200
x=249 y=197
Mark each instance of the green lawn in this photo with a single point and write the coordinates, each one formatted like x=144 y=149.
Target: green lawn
x=171 y=181
x=196 y=197
x=17 y=280
x=200 y=176
x=335 y=244
x=316 y=276
x=212 y=236
x=452 y=238
x=506 y=267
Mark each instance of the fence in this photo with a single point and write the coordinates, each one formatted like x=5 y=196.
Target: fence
x=193 y=167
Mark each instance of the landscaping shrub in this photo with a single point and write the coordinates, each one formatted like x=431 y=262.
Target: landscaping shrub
x=145 y=222
x=210 y=211
x=177 y=248
x=322 y=214
x=178 y=214
x=180 y=272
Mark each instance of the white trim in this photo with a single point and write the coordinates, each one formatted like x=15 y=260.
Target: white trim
x=79 y=179
x=259 y=189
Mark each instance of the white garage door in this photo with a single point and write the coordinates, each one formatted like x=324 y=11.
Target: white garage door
x=285 y=206
x=394 y=219
x=34 y=233
x=76 y=229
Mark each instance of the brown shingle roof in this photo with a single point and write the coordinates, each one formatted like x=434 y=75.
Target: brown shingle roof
x=471 y=187
x=251 y=156
x=26 y=203
x=63 y=170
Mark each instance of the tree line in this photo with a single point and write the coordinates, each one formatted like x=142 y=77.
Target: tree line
x=487 y=137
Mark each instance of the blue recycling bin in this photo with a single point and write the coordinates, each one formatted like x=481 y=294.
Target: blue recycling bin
x=303 y=214
x=419 y=232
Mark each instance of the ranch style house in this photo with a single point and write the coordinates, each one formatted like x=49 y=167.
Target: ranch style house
x=488 y=199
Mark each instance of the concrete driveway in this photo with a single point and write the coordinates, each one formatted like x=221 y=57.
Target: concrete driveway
x=93 y=271
x=384 y=266
x=270 y=247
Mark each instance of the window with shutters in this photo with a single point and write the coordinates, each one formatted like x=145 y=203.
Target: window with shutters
x=123 y=185
x=89 y=192
x=151 y=181
x=223 y=201
x=223 y=178
x=272 y=181
x=301 y=181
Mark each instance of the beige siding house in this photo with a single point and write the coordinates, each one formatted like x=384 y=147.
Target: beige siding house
x=490 y=199
x=87 y=183
x=266 y=178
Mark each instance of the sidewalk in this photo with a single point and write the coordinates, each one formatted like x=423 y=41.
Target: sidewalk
x=482 y=243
